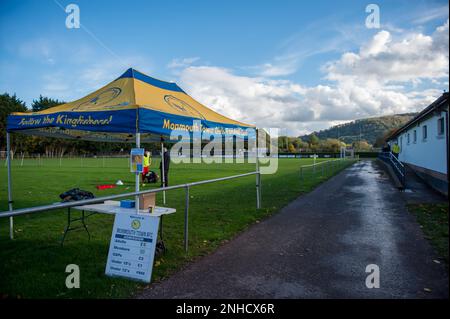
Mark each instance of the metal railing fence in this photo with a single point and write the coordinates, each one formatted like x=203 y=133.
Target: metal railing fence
x=186 y=186
x=398 y=167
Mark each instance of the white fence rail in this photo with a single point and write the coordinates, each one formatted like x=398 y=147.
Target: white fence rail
x=326 y=166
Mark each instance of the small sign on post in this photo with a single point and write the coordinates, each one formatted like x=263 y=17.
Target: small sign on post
x=137 y=160
x=132 y=246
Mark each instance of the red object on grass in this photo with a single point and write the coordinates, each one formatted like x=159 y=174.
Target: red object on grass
x=100 y=187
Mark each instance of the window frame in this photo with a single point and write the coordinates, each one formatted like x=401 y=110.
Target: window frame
x=424 y=132
x=440 y=124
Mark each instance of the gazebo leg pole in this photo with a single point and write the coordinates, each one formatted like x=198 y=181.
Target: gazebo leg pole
x=258 y=176
x=138 y=145
x=163 y=180
x=10 y=203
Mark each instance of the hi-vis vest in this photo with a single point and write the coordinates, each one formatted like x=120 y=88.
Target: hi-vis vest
x=396 y=148
x=146 y=161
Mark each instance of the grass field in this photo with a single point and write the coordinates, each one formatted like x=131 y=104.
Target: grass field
x=433 y=219
x=33 y=264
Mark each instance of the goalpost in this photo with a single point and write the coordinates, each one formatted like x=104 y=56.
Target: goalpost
x=347 y=152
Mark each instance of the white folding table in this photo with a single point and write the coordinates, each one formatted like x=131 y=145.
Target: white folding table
x=112 y=208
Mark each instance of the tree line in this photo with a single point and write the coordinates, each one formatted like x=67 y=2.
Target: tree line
x=315 y=144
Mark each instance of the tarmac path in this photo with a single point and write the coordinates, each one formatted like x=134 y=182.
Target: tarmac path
x=318 y=246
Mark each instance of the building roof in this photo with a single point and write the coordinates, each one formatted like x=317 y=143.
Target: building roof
x=436 y=105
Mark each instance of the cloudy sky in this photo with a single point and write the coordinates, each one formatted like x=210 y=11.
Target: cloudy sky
x=297 y=65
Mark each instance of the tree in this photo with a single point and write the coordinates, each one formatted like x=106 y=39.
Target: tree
x=44 y=103
x=331 y=145
x=362 y=146
x=381 y=140
x=8 y=104
x=283 y=142
x=303 y=147
x=291 y=148
x=314 y=140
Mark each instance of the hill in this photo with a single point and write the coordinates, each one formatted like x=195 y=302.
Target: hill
x=368 y=129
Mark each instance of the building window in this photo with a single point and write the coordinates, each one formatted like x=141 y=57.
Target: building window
x=424 y=132
x=407 y=138
x=441 y=127
x=414 y=136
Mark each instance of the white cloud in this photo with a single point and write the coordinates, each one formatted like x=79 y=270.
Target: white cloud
x=409 y=59
x=248 y=99
x=280 y=66
x=377 y=45
x=182 y=63
x=371 y=82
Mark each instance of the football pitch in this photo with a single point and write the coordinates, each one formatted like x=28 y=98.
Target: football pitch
x=33 y=264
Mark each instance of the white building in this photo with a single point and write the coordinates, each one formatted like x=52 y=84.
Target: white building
x=424 y=144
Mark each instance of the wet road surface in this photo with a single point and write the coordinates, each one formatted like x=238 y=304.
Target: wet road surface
x=319 y=246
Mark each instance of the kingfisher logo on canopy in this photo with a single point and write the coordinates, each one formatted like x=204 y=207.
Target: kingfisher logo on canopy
x=101 y=99
x=182 y=106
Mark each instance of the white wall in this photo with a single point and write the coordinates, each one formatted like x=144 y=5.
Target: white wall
x=429 y=153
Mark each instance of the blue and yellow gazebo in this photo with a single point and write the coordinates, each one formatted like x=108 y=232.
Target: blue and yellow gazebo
x=132 y=104
x=133 y=108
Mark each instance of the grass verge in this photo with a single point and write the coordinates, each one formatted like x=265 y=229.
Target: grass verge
x=433 y=219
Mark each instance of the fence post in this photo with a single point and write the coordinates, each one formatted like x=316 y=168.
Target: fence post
x=258 y=177
x=186 y=219
x=10 y=201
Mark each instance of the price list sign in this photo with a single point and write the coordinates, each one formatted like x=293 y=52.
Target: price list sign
x=132 y=246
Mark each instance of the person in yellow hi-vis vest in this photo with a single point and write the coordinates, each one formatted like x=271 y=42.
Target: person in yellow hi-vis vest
x=147 y=163
x=396 y=150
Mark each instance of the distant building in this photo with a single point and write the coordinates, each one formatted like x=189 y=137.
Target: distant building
x=424 y=144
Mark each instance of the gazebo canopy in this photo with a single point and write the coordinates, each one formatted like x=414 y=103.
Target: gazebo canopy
x=133 y=103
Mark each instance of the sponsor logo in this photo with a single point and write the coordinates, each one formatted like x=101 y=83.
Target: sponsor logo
x=135 y=224
x=101 y=99
x=182 y=106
